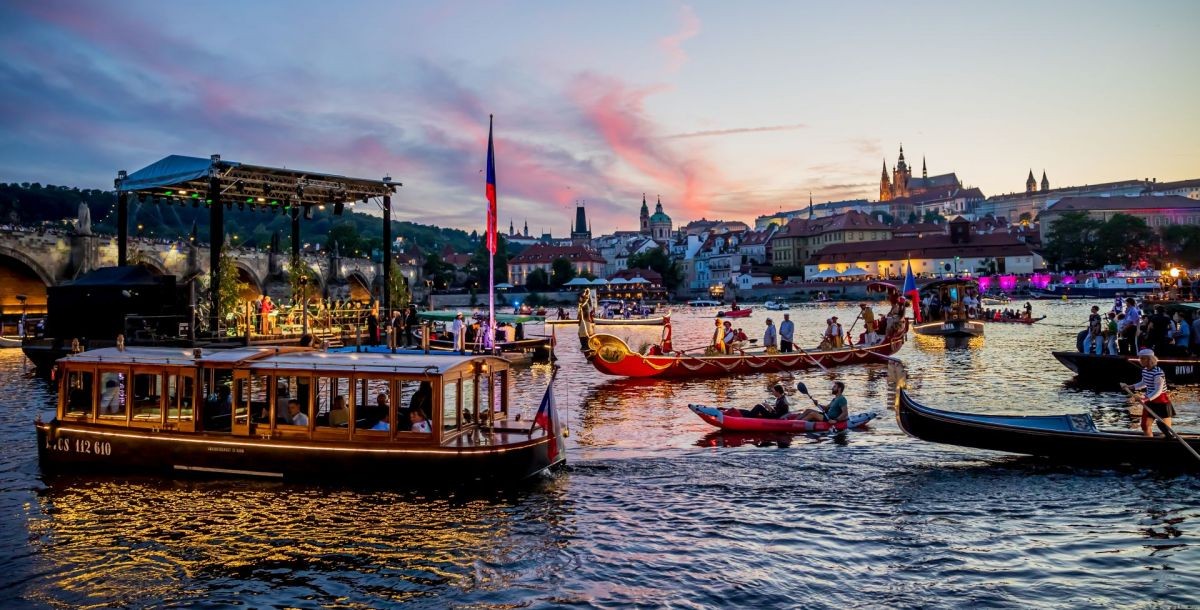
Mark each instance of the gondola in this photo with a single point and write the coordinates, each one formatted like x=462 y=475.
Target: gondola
x=1069 y=438
x=1116 y=369
x=732 y=423
x=613 y=322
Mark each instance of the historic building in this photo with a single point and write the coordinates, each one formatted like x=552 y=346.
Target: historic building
x=1026 y=206
x=581 y=233
x=656 y=226
x=542 y=256
x=902 y=184
x=801 y=238
x=1157 y=210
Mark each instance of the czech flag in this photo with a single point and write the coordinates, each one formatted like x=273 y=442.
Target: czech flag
x=547 y=419
x=910 y=291
x=491 y=193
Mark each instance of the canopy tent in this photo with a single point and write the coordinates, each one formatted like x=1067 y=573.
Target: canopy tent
x=855 y=272
x=639 y=280
x=504 y=286
x=618 y=280
x=824 y=275
x=578 y=281
x=218 y=184
x=883 y=287
x=599 y=282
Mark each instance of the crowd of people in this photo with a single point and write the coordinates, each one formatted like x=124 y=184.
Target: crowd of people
x=1128 y=328
x=728 y=339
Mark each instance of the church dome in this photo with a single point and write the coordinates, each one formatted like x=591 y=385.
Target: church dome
x=660 y=217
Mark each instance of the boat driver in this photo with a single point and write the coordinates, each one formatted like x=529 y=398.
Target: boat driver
x=838 y=410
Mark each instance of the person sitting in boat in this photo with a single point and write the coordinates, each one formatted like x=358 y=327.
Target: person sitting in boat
x=1154 y=388
x=562 y=314
x=339 y=415
x=418 y=421
x=769 y=341
x=731 y=339
x=382 y=424
x=422 y=399
x=838 y=410
x=295 y=417
x=762 y=411
x=734 y=307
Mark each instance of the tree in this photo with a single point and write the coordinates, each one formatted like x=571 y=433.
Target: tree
x=933 y=217
x=912 y=217
x=561 y=272
x=1071 y=241
x=438 y=270
x=295 y=272
x=658 y=260
x=476 y=268
x=227 y=285
x=883 y=217
x=1182 y=244
x=537 y=280
x=399 y=289
x=1123 y=240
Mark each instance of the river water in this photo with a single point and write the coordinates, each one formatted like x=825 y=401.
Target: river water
x=655 y=510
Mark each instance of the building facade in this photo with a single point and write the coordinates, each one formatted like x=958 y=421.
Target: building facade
x=1159 y=211
x=935 y=254
x=542 y=256
x=902 y=184
x=796 y=242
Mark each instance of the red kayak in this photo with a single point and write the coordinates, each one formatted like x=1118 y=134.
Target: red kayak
x=735 y=313
x=720 y=419
x=1013 y=320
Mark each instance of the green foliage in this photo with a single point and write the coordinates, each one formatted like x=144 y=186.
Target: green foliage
x=933 y=217
x=561 y=272
x=912 y=217
x=883 y=217
x=1182 y=244
x=537 y=280
x=1078 y=241
x=438 y=270
x=227 y=285
x=297 y=272
x=477 y=268
x=401 y=296
x=1123 y=240
x=658 y=260
x=33 y=203
x=534 y=299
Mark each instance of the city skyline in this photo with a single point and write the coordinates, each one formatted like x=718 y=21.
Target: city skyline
x=722 y=111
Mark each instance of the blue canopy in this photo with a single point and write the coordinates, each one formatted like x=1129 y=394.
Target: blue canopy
x=169 y=171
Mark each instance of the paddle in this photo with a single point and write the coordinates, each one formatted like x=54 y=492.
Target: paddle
x=814 y=360
x=804 y=390
x=1168 y=430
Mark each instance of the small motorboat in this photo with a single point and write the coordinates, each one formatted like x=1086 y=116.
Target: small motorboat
x=1110 y=370
x=719 y=418
x=736 y=313
x=703 y=303
x=995 y=300
x=9 y=341
x=1070 y=438
x=776 y=305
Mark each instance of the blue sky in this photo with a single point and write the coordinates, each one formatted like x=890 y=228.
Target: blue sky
x=724 y=109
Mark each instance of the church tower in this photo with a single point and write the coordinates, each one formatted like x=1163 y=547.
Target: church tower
x=885 y=186
x=645 y=217
x=1030 y=183
x=526 y=228
x=901 y=176
x=924 y=172
x=511 y=230
x=660 y=225
x=1045 y=181
x=581 y=235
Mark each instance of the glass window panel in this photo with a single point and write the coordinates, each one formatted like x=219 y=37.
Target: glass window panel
x=218 y=399
x=450 y=402
x=470 y=401
x=147 y=397
x=333 y=402
x=375 y=400
x=79 y=393
x=418 y=399
x=112 y=395
x=180 y=389
x=287 y=390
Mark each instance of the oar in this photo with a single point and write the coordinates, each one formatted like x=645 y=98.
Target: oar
x=814 y=360
x=1162 y=424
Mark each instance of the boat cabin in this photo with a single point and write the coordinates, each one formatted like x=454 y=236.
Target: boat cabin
x=949 y=300
x=285 y=393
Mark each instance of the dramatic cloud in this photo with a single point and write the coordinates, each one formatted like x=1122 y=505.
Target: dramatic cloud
x=736 y=130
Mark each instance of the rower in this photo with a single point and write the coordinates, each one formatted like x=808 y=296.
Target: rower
x=836 y=411
x=1154 y=398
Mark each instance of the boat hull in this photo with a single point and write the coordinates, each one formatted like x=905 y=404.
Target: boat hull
x=1073 y=438
x=718 y=418
x=1126 y=369
x=953 y=328
x=70 y=448
x=1076 y=291
x=611 y=356
x=614 y=322
x=1016 y=321
x=735 y=313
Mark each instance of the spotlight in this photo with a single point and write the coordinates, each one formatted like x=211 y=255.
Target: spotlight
x=267 y=189
x=365 y=199
x=240 y=186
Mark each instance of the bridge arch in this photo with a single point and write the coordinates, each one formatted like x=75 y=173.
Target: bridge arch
x=247 y=275
x=360 y=286
x=22 y=275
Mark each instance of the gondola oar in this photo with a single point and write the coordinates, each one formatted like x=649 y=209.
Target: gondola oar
x=1167 y=430
x=814 y=360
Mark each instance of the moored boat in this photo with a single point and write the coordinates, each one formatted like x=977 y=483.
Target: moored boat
x=1111 y=370
x=293 y=413
x=736 y=313
x=733 y=423
x=947 y=311
x=1018 y=320
x=776 y=305
x=612 y=356
x=1103 y=285
x=698 y=303
x=1070 y=438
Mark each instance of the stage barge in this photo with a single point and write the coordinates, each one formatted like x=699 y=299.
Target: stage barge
x=292 y=413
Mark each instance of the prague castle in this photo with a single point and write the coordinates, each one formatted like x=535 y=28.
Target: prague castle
x=902 y=184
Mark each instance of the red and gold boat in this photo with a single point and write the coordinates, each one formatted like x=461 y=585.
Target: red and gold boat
x=612 y=356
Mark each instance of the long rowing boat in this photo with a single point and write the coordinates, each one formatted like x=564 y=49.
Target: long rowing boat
x=1071 y=438
x=615 y=321
x=612 y=356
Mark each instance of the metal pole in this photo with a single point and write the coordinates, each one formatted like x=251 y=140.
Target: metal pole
x=387 y=254
x=295 y=237
x=122 y=222
x=216 y=242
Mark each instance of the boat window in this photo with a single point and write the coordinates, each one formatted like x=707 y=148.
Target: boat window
x=374 y=398
x=218 y=399
x=451 y=400
x=251 y=398
x=288 y=389
x=147 y=397
x=112 y=395
x=180 y=390
x=415 y=396
x=470 y=400
x=79 y=393
x=333 y=402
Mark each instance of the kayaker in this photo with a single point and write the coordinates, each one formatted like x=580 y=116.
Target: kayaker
x=763 y=411
x=1154 y=392
x=838 y=410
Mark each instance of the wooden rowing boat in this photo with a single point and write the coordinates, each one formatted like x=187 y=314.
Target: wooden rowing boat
x=1071 y=438
x=614 y=322
x=733 y=423
x=612 y=356
x=735 y=313
x=1127 y=369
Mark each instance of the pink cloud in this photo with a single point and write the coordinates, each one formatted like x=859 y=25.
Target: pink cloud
x=672 y=45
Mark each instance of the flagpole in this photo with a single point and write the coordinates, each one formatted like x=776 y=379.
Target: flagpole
x=492 y=262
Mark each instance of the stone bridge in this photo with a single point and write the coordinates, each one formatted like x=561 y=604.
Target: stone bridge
x=32 y=260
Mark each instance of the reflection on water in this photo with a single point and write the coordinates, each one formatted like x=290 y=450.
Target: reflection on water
x=656 y=507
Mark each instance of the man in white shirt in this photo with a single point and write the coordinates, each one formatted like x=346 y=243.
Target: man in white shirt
x=295 y=416
x=458 y=329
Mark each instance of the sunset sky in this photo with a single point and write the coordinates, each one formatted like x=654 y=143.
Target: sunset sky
x=724 y=109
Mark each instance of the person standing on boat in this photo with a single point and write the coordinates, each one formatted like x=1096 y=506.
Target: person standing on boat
x=1128 y=330
x=868 y=317
x=459 y=330
x=787 y=331
x=1110 y=334
x=718 y=340
x=838 y=410
x=835 y=332
x=1154 y=388
x=1158 y=332
x=770 y=337
x=1181 y=335
x=1092 y=342
x=373 y=325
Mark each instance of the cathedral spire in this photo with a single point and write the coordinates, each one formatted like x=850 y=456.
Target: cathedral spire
x=1045 y=181
x=1030 y=183
x=810 y=205
x=901 y=153
x=924 y=172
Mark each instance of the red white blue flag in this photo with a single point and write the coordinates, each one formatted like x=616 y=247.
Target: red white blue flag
x=910 y=291
x=547 y=419
x=491 y=193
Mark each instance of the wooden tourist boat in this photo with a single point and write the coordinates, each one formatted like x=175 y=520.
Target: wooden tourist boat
x=612 y=356
x=226 y=412
x=724 y=421
x=1103 y=285
x=1112 y=370
x=1071 y=438
x=951 y=320
x=736 y=313
x=538 y=347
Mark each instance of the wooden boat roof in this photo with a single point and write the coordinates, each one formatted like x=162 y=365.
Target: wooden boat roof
x=290 y=358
